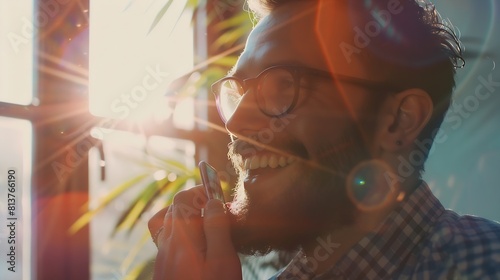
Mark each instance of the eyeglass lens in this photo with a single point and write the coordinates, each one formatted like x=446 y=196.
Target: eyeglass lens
x=275 y=93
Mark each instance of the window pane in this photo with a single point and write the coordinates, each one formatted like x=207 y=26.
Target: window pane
x=131 y=66
x=18 y=31
x=126 y=159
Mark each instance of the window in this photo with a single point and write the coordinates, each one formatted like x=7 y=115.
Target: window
x=128 y=156
x=18 y=33
x=131 y=64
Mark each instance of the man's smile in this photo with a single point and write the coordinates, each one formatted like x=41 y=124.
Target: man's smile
x=264 y=166
x=270 y=160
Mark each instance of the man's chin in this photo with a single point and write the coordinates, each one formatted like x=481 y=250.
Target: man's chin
x=260 y=241
x=259 y=235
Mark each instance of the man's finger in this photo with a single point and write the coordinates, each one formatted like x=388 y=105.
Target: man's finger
x=156 y=223
x=166 y=230
x=217 y=228
x=221 y=257
x=187 y=223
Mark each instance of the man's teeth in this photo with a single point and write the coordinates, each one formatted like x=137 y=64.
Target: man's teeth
x=263 y=161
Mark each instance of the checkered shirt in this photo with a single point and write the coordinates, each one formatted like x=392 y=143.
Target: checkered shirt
x=418 y=240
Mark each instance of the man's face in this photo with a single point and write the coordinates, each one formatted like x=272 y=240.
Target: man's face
x=316 y=145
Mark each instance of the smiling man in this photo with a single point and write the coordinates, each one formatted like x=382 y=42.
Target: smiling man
x=333 y=107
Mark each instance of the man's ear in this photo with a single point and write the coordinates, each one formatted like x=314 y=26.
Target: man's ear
x=408 y=112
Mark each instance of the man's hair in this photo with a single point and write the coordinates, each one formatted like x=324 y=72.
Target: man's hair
x=416 y=49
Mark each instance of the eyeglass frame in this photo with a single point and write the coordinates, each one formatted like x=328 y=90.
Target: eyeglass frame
x=297 y=73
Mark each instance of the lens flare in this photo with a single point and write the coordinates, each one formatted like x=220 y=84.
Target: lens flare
x=371 y=185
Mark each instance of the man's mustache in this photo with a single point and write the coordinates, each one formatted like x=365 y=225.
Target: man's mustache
x=248 y=146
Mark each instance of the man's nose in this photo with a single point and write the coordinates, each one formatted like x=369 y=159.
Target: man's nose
x=247 y=116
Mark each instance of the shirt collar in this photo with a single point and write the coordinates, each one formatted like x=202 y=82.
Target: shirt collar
x=381 y=252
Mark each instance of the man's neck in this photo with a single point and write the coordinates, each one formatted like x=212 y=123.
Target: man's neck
x=326 y=250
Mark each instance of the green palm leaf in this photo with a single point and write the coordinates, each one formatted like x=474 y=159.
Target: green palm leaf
x=160 y=14
x=87 y=216
x=130 y=216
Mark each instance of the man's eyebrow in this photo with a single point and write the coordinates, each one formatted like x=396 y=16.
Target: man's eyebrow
x=238 y=73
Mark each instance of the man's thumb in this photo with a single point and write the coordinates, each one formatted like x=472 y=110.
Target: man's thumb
x=217 y=228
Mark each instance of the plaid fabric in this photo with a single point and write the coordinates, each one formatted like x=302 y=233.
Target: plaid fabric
x=418 y=240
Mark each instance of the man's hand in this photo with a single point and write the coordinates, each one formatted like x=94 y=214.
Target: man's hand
x=191 y=246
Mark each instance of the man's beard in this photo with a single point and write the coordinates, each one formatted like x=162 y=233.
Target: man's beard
x=314 y=203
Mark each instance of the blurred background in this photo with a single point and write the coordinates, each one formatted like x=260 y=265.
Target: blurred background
x=104 y=113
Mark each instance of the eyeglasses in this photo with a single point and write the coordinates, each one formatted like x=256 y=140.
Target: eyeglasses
x=277 y=89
